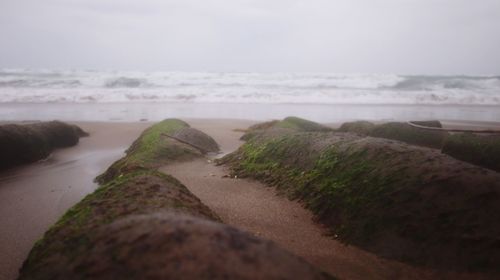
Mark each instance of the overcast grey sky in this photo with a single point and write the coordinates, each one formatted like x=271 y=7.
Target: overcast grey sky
x=344 y=36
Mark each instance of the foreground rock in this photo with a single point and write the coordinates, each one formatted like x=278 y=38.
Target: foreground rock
x=175 y=246
x=20 y=144
x=143 y=224
x=398 y=200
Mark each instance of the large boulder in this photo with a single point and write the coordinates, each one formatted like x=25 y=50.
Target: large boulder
x=20 y=144
x=482 y=150
x=358 y=127
x=400 y=201
x=166 y=245
x=400 y=131
x=409 y=134
x=168 y=141
x=288 y=124
x=197 y=139
x=143 y=224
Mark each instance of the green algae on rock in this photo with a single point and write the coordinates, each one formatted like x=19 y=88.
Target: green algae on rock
x=358 y=127
x=167 y=245
x=406 y=133
x=20 y=144
x=156 y=146
x=197 y=139
x=289 y=123
x=137 y=192
x=400 y=131
x=482 y=150
x=400 y=201
x=143 y=224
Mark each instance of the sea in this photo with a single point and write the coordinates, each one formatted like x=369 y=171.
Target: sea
x=90 y=95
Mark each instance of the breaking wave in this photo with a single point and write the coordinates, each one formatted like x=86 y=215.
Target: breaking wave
x=18 y=85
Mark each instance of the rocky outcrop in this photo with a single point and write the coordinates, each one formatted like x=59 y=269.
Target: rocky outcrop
x=143 y=224
x=196 y=139
x=400 y=201
x=287 y=124
x=21 y=144
x=399 y=131
x=176 y=246
x=158 y=146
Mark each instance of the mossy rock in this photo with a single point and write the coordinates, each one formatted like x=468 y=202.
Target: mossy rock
x=400 y=201
x=482 y=150
x=138 y=192
x=299 y=124
x=358 y=127
x=143 y=224
x=287 y=124
x=197 y=139
x=167 y=245
x=409 y=134
x=20 y=144
x=156 y=147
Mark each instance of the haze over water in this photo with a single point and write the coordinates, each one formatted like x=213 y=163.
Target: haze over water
x=132 y=96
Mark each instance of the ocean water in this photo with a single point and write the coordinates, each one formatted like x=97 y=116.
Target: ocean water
x=121 y=95
x=114 y=86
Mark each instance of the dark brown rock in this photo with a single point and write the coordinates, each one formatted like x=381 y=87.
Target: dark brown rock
x=20 y=144
x=175 y=246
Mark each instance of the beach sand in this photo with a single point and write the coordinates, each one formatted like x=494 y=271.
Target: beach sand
x=34 y=196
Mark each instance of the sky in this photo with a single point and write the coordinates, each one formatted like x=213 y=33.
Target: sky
x=341 y=36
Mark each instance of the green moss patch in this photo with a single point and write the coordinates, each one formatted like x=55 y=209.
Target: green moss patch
x=152 y=149
x=409 y=134
x=397 y=200
x=399 y=131
x=289 y=123
x=138 y=192
x=482 y=150
x=358 y=127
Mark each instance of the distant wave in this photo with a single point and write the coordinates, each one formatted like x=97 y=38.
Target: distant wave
x=18 y=85
x=39 y=83
x=124 y=82
x=447 y=82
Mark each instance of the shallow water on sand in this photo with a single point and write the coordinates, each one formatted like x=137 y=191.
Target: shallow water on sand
x=133 y=112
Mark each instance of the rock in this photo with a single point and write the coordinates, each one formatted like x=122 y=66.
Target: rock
x=154 y=148
x=358 y=127
x=286 y=125
x=171 y=246
x=482 y=150
x=398 y=200
x=143 y=224
x=20 y=144
x=400 y=131
x=411 y=135
x=197 y=139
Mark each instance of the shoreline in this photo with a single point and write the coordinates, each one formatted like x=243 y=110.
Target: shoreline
x=323 y=113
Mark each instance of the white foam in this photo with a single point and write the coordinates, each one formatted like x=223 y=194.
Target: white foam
x=41 y=86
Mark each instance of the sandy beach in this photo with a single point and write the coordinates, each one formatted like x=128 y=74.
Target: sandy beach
x=34 y=196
